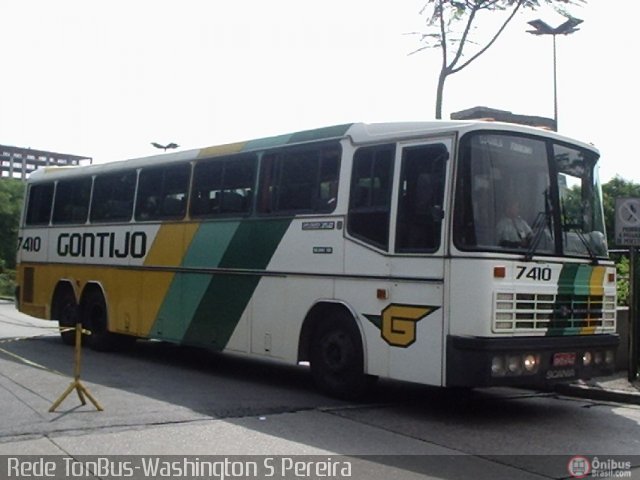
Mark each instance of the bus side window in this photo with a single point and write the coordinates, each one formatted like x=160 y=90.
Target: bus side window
x=328 y=186
x=40 y=202
x=370 y=199
x=299 y=172
x=71 y=203
x=299 y=180
x=162 y=192
x=223 y=186
x=113 y=197
x=421 y=197
x=266 y=190
x=207 y=179
x=237 y=185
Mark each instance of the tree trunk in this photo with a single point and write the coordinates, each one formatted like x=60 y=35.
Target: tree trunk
x=440 y=93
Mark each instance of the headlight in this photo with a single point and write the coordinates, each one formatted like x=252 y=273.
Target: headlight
x=531 y=363
x=497 y=366
x=597 y=358
x=514 y=364
x=587 y=358
x=609 y=357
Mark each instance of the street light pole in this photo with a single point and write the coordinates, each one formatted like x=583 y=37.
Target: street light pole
x=543 y=28
x=555 y=84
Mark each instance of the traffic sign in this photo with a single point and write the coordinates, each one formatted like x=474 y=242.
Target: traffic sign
x=627 y=222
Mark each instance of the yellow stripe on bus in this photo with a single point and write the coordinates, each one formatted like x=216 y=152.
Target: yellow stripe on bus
x=170 y=244
x=221 y=150
x=168 y=250
x=596 y=289
x=596 y=283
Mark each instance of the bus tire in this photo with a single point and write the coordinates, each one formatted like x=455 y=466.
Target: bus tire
x=65 y=310
x=337 y=360
x=95 y=319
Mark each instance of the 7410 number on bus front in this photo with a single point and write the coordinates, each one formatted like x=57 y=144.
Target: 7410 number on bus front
x=542 y=274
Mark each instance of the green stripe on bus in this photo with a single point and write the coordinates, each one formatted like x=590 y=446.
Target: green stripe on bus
x=574 y=280
x=227 y=295
x=560 y=332
x=210 y=243
x=566 y=289
x=220 y=310
x=270 y=142
x=320 y=133
x=567 y=279
x=335 y=131
x=583 y=280
x=187 y=289
x=254 y=243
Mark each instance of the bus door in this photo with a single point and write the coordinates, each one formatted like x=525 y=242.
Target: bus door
x=394 y=261
x=416 y=299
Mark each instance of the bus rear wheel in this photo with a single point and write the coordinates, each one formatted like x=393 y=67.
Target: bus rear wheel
x=65 y=310
x=95 y=319
x=337 y=363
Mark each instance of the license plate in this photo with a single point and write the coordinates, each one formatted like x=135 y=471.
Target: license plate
x=564 y=359
x=561 y=373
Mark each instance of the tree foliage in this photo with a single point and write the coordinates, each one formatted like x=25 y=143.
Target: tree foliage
x=11 y=194
x=451 y=22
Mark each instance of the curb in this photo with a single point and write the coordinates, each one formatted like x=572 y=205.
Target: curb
x=594 y=393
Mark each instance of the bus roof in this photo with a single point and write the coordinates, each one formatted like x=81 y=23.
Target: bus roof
x=359 y=133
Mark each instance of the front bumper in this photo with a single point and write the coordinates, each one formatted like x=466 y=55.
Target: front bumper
x=471 y=361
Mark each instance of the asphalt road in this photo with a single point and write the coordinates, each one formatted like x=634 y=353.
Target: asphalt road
x=160 y=399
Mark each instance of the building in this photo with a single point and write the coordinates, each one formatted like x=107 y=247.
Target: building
x=18 y=163
x=487 y=113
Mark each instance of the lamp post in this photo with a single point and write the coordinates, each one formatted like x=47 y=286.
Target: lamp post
x=543 y=28
x=165 y=147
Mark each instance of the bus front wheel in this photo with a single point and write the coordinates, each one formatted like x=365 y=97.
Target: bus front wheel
x=336 y=356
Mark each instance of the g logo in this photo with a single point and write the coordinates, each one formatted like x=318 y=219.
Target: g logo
x=399 y=323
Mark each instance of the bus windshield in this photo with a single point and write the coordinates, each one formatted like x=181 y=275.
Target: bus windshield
x=528 y=195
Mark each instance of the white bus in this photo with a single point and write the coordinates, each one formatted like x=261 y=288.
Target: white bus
x=445 y=253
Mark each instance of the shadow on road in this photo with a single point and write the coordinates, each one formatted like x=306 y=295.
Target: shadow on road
x=158 y=379
x=228 y=385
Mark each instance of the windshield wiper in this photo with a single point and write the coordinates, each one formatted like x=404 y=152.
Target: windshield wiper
x=543 y=219
x=585 y=242
x=538 y=227
x=577 y=229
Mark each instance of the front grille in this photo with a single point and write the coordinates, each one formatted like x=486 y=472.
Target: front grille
x=536 y=312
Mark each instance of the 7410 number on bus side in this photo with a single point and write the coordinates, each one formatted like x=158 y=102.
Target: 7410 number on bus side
x=29 y=244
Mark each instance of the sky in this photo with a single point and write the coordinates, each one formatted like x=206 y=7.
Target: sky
x=106 y=78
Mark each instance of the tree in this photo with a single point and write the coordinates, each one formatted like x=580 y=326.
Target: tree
x=448 y=18
x=11 y=194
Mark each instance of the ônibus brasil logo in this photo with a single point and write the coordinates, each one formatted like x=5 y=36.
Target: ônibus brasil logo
x=579 y=467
